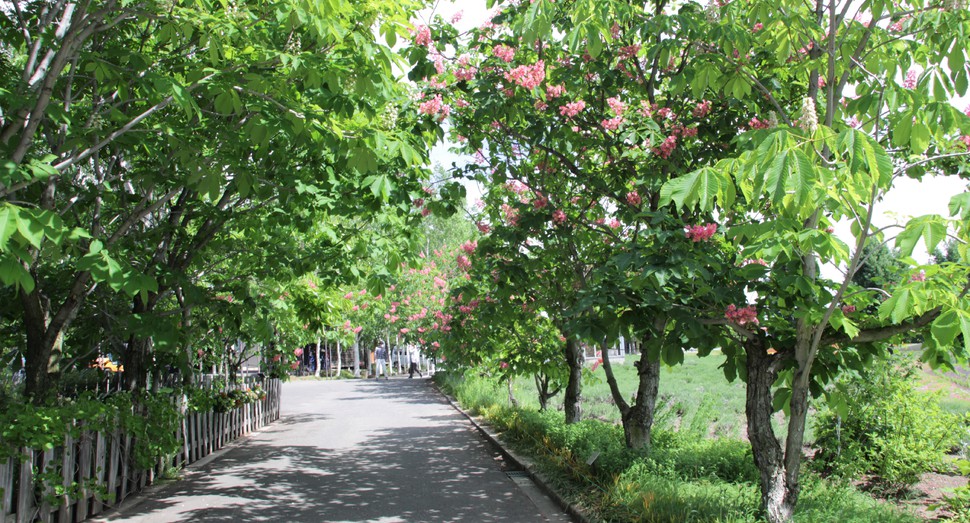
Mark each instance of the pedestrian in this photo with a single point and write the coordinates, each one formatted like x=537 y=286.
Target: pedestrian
x=413 y=356
x=380 y=354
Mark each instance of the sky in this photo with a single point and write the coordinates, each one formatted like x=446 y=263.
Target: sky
x=908 y=198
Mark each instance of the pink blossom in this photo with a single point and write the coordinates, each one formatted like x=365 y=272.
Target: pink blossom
x=463 y=262
x=755 y=123
x=558 y=216
x=457 y=17
x=465 y=74
x=527 y=76
x=422 y=35
x=910 y=81
x=419 y=202
x=555 y=91
x=434 y=107
x=614 y=223
x=298 y=352
x=666 y=147
x=848 y=309
x=616 y=105
x=483 y=228
x=966 y=140
x=436 y=345
x=541 y=106
x=741 y=316
x=702 y=109
x=853 y=122
x=633 y=198
x=358 y=329
x=612 y=124
x=349 y=296
x=757 y=27
x=425 y=212
x=404 y=330
x=469 y=247
x=700 y=233
x=504 y=52
x=572 y=109
x=629 y=51
x=920 y=276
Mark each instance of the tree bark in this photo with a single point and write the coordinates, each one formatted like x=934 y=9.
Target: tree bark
x=637 y=419
x=574 y=389
x=779 y=488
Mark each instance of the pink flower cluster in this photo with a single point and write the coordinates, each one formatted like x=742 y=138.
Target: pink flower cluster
x=920 y=276
x=469 y=247
x=483 y=228
x=848 y=309
x=559 y=216
x=613 y=124
x=755 y=123
x=528 y=76
x=966 y=140
x=757 y=27
x=741 y=316
x=555 y=91
x=629 y=51
x=572 y=109
x=504 y=52
x=701 y=233
x=666 y=147
x=633 y=198
x=434 y=107
x=616 y=105
x=702 y=109
x=466 y=73
x=422 y=35
x=910 y=81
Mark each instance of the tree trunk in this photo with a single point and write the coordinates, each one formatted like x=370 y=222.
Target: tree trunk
x=779 y=490
x=542 y=387
x=356 y=358
x=319 y=364
x=138 y=353
x=638 y=421
x=574 y=389
x=512 y=401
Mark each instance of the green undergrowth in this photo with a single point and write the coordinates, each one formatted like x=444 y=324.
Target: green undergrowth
x=684 y=479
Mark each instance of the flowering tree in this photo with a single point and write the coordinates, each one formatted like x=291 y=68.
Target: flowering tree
x=576 y=127
x=831 y=158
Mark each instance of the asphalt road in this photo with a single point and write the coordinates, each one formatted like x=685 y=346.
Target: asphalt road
x=349 y=451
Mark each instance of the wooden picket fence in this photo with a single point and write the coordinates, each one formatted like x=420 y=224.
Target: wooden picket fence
x=94 y=471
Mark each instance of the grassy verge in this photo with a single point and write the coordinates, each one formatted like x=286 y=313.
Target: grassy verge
x=685 y=479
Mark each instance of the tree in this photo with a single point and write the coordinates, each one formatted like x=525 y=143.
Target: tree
x=140 y=135
x=826 y=161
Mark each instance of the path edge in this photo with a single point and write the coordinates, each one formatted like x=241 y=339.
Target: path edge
x=526 y=464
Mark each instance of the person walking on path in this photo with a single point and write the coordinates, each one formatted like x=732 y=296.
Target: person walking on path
x=380 y=354
x=414 y=356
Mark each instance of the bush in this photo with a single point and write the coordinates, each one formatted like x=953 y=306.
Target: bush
x=887 y=428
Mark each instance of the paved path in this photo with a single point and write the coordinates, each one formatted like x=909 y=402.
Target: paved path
x=351 y=450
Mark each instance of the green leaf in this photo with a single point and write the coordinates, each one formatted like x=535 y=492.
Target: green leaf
x=959 y=204
x=782 y=399
x=700 y=187
x=945 y=328
x=13 y=273
x=898 y=307
x=8 y=224
x=919 y=138
x=30 y=229
x=931 y=227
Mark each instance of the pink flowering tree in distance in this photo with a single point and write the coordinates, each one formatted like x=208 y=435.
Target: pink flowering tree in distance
x=575 y=129
x=860 y=98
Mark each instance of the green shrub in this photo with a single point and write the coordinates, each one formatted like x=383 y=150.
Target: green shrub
x=888 y=427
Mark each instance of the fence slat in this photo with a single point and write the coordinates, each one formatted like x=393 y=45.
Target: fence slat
x=84 y=476
x=25 y=496
x=113 y=463
x=47 y=489
x=100 y=469
x=6 y=483
x=67 y=477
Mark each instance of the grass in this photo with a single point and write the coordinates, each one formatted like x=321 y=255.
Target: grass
x=693 y=398
x=684 y=479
